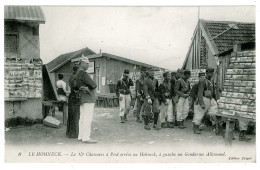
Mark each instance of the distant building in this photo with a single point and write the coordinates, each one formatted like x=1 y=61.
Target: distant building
x=23 y=66
x=105 y=69
x=213 y=42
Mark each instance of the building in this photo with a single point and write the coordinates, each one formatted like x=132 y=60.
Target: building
x=239 y=93
x=213 y=42
x=23 y=66
x=105 y=69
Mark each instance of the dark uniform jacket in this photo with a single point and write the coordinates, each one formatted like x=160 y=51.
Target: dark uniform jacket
x=123 y=87
x=182 y=87
x=173 y=83
x=84 y=80
x=203 y=85
x=165 y=87
x=149 y=89
x=139 y=87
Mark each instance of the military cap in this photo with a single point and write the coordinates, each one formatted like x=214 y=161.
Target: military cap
x=187 y=72
x=210 y=70
x=126 y=71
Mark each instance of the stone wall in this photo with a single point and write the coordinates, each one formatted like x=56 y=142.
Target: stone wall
x=239 y=94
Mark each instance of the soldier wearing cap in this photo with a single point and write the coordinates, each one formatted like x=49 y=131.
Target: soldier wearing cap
x=124 y=94
x=165 y=100
x=139 y=94
x=87 y=100
x=206 y=102
x=151 y=104
x=182 y=89
x=173 y=94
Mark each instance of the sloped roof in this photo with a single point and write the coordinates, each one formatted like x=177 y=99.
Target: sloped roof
x=115 y=57
x=225 y=34
x=24 y=13
x=64 y=58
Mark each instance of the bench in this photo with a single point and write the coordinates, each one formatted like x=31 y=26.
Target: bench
x=230 y=126
x=107 y=100
x=49 y=106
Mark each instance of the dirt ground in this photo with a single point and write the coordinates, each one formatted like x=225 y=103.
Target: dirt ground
x=128 y=137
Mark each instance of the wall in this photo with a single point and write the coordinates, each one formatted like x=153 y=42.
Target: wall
x=28 y=38
x=28 y=47
x=32 y=108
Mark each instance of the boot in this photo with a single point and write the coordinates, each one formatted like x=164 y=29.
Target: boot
x=170 y=125
x=125 y=118
x=196 y=129
x=139 y=120
x=164 y=125
x=243 y=137
x=176 y=123
x=122 y=119
x=156 y=127
x=147 y=127
x=181 y=125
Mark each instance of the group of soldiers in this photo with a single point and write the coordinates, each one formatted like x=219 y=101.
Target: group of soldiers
x=168 y=104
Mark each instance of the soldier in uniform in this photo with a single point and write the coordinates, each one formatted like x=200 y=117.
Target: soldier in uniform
x=165 y=100
x=124 y=94
x=139 y=95
x=206 y=102
x=182 y=89
x=173 y=95
x=150 y=105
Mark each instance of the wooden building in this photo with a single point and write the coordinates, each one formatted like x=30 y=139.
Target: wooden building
x=213 y=42
x=105 y=69
x=23 y=66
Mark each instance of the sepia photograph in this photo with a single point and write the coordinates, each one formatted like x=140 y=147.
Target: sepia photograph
x=129 y=84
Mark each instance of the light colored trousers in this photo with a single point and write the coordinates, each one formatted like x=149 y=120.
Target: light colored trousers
x=85 y=120
x=182 y=108
x=166 y=111
x=211 y=107
x=124 y=104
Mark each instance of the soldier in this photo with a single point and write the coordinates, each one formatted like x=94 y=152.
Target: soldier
x=139 y=95
x=206 y=102
x=182 y=89
x=173 y=95
x=150 y=104
x=165 y=100
x=124 y=94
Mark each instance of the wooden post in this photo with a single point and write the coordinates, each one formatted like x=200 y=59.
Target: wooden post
x=65 y=112
x=228 y=135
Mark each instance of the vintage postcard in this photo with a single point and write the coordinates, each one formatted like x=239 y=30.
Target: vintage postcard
x=129 y=84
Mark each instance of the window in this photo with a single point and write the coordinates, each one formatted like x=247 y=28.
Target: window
x=11 y=45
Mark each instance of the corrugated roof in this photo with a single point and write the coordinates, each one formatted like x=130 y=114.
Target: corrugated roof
x=225 y=37
x=64 y=58
x=24 y=13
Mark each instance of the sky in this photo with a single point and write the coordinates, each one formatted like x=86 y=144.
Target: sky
x=158 y=36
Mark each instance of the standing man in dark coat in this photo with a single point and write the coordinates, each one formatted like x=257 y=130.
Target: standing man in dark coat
x=149 y=101
x=206 y=102
x=124 y=94
x=139 y=94
x=86 y=87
